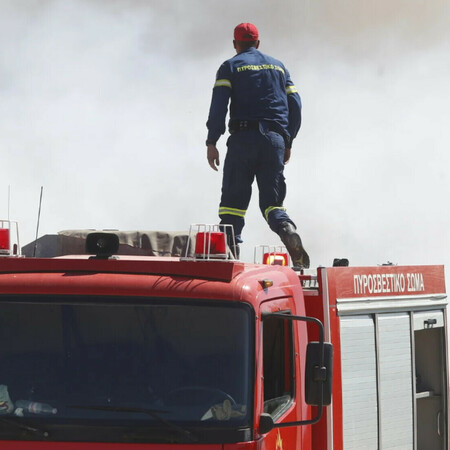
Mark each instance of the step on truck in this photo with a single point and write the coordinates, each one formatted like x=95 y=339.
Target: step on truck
x=109 y=350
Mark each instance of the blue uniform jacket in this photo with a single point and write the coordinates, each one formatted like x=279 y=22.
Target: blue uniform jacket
x=260 y=88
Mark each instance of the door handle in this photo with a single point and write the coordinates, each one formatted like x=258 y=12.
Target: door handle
x=439 y=423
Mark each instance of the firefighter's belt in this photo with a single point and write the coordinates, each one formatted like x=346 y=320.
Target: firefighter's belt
x=247 y=125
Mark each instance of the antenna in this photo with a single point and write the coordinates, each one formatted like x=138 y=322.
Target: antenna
x=37 y=227
x=9 y=198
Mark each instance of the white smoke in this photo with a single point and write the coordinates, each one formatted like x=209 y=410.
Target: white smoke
x=105 y=103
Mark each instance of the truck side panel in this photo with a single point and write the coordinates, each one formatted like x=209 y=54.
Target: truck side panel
x=327 y=433
x=385 y=323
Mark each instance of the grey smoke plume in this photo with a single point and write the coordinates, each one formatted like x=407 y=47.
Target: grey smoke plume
x=105 y=103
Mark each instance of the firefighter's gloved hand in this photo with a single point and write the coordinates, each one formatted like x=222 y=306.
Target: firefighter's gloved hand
x=213 y=157
x=287 y=155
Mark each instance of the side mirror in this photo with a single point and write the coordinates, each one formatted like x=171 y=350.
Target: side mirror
x=318 y=373
x=266 y=423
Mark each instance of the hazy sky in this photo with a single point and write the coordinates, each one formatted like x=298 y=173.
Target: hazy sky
x=104 y=104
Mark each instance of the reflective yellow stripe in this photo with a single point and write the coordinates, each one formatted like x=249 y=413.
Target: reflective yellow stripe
x=290 y=89
x=226 y=83
x=232 y=211
x=270 y=209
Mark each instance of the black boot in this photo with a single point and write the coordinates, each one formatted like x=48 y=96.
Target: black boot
x=293 y=243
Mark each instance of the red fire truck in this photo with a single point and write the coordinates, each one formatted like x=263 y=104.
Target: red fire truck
x=110 y=350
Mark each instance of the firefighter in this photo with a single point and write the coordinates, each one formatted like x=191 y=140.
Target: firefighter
x=265 y=116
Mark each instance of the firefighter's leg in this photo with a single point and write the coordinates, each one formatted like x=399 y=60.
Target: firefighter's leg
x=270 y=179
x=272 y=192
x=236 y=187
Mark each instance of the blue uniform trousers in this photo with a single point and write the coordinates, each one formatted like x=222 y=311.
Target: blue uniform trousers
x=260 y=154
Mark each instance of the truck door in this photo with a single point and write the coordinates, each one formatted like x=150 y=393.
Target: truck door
x=281 y=379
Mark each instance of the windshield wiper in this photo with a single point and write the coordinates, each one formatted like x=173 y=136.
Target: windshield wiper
x=13 y=421
x=131 y=409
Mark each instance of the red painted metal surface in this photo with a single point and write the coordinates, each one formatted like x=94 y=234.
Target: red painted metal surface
x=337 y=431
x=153 y=277
x=383 y=281
x=213 y=270
x=314 y=308
x=79 y=277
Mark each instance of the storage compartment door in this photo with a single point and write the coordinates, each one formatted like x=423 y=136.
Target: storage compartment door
x=359 y=383
x=395 y=381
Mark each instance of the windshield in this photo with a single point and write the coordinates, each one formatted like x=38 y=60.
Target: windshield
x=157 y=365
